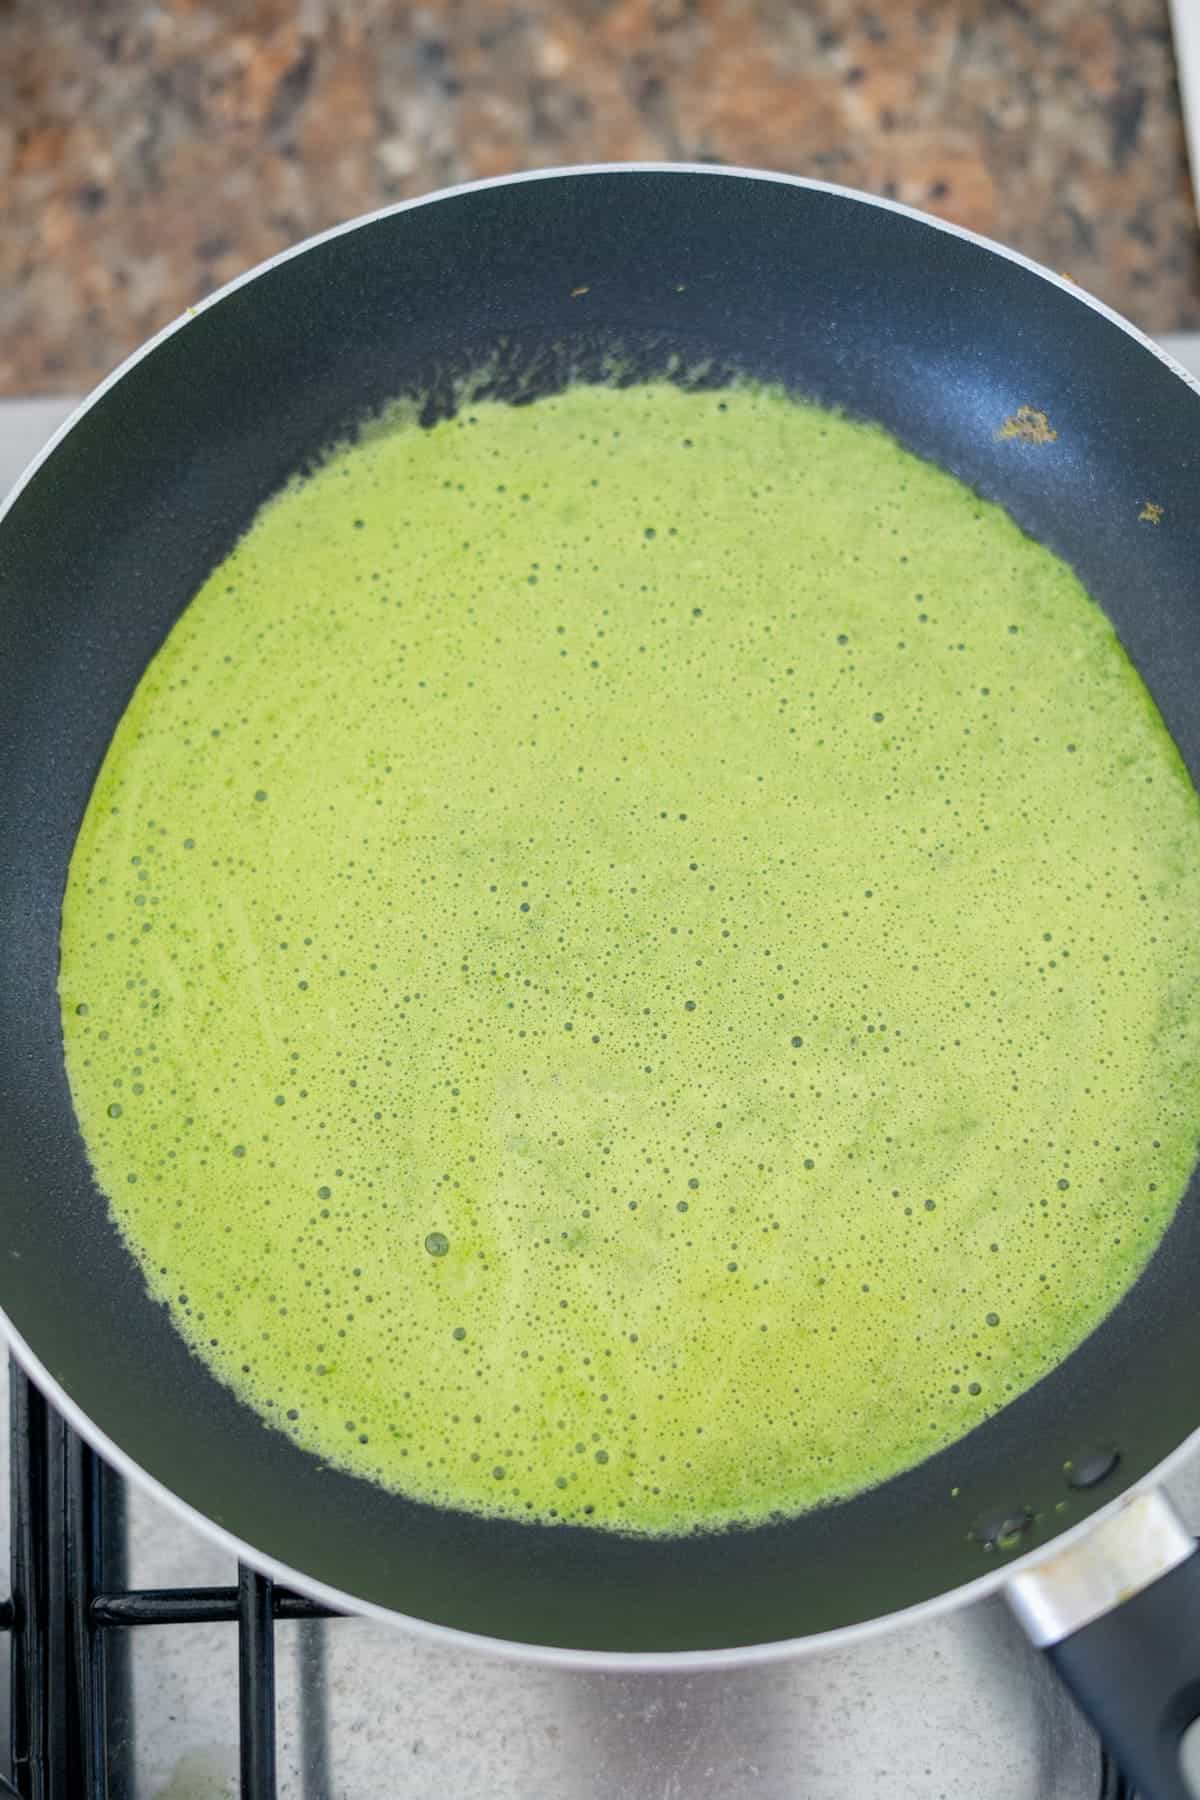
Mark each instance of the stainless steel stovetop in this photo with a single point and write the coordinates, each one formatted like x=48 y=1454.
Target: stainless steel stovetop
x=959 y=1709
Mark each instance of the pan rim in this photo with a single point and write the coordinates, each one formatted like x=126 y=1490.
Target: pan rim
x=449 y=1637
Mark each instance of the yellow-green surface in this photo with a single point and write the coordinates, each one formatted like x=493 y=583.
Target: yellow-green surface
x=633 y=959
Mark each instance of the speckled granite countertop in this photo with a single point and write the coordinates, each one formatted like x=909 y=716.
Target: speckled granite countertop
x=151 y=149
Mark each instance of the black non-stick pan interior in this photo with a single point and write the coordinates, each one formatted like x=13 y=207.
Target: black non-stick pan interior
x=849 y=302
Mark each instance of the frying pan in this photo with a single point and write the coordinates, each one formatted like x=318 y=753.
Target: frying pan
x=856 y=303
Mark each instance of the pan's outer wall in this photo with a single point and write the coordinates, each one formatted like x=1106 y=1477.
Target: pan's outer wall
x=937 y=337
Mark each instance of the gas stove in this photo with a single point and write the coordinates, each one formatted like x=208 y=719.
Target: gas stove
x=150 y=1668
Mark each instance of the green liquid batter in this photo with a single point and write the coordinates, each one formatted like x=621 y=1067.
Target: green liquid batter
x=633 y=960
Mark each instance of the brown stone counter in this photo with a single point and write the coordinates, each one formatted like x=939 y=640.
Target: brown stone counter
x=150 y=151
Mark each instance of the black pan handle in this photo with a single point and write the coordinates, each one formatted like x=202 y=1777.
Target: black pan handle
x=1118 y=1615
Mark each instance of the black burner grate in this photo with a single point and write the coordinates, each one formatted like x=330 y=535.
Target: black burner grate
x=70 y=1717
x=70 y=1608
